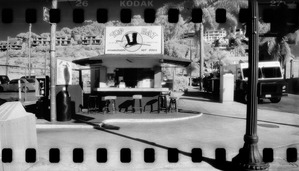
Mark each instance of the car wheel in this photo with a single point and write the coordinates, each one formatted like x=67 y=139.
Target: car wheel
x=275 y=99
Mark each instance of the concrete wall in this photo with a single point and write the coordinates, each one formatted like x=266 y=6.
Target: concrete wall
x=18 y=132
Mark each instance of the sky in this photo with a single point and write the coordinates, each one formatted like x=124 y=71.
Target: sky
x=19 y=6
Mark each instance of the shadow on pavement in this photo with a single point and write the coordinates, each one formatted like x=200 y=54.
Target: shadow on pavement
x=216 y=163
x=80 y=118
x=200 y=96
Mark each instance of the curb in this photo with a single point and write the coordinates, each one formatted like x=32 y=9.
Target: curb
x=83 y=126
x=62 y=126
x=150 y=120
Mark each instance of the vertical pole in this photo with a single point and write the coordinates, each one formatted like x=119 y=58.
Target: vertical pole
x=249 y=157
x=190 y=53
x=29 y=53
x=80 y=78
x=45 y=70
x=201 y=57
x=19 y=90
x=7 y=55
x=53 y=67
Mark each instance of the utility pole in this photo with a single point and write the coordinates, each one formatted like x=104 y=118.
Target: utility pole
x=7 y=55
x=249 y=157
x=53 y=67
x=201 y=54
x=190 y=53
x=29 y=53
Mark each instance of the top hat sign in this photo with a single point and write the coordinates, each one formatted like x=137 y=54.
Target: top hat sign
x=133 y=40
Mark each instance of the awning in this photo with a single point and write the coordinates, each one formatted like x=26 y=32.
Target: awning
x=161 y=58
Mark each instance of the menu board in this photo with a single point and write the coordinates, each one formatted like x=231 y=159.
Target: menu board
x=133 y=40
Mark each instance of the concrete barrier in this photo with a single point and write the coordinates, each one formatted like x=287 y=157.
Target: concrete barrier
x=227 y=88
x=17 y=132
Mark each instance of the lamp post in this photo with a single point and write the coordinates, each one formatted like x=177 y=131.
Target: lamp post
x=249 y=157
x=7 y=54
x=201 y=57
x=29 y=53
x=189 y=36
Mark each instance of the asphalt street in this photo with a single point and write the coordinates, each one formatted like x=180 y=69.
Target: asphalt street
x=206 y=132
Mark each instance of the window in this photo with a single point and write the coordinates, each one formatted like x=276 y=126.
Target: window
x=246 y=73
x=13 y=81
x=273 y=72
x=265 y=72
x=30 y=80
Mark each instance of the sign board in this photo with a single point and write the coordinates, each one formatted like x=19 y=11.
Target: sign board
x=133 y=40
x=46 y=14
x=64 y=72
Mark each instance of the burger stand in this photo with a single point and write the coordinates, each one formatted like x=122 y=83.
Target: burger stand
x=131 y=65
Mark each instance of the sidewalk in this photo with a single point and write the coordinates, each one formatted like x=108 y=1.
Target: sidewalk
x=211 y=106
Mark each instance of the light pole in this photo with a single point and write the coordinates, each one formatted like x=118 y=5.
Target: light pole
x=189 y=36
x=7 y=55
x=29 y=53
x=201 y=57
x=200 y=52
x=249 y=157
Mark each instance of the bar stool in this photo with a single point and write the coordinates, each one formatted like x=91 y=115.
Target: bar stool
x=108 y=100
x=162 y=101
x=92 y=103
x=173 y=104
x=137 y=97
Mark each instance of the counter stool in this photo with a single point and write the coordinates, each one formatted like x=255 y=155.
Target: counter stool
x=173 y=104
x=108 y=100
x=92 y=103
x=137 y=97
x=162 y=102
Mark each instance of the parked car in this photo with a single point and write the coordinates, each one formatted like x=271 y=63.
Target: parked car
x=27 y=84
x=195 y=81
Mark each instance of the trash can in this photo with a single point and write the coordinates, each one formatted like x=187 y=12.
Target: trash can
x=63 y=105
x=43 y=108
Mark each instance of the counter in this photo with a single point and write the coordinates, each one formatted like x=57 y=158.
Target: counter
x=115 y=89
x=124 y=100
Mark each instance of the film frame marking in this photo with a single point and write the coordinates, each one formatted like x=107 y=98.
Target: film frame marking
x=149 y=155
x=102 y=15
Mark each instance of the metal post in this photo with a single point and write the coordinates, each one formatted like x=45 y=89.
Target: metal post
x=80 y=78
x=201 y=57
x=53 y=67
x=29 y=53
x=45 y=70
x=190 y=53
x=249 y=157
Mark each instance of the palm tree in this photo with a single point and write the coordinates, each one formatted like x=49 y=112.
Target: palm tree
x=209 y=7
x=275 y=49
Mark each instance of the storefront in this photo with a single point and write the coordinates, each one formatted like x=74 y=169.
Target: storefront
x=131 y=65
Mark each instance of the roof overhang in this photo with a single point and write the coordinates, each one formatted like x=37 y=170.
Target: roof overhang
x=161 y=58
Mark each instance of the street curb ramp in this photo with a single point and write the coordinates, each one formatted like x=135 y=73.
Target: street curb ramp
x=18 y=133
